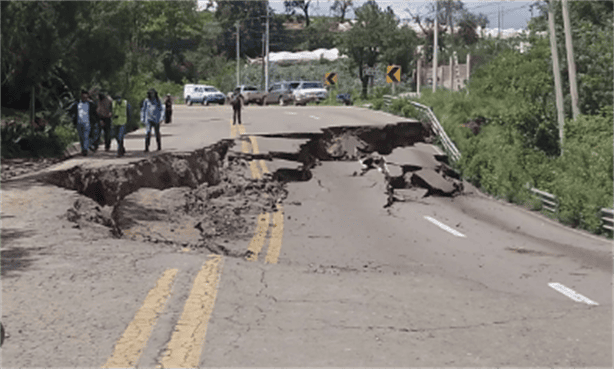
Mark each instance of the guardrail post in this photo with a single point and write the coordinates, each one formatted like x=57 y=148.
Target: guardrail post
x=548 y=200
x=607 y=217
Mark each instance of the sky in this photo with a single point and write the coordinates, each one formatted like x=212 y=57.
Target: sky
x=516 y=14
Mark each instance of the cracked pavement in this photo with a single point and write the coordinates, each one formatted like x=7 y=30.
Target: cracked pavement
x=361 y=280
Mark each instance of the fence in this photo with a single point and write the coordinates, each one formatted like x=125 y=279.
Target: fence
x=551 y=203
x=434 y=124
x=607 y=216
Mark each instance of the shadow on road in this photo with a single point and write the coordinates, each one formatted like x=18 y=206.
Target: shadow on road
x=16 y=258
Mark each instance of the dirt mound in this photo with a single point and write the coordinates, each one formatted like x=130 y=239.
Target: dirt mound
x=208 y=216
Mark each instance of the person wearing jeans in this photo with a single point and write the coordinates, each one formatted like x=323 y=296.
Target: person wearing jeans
x=104 y=113
x=83 y=113
x=121 y=116
x=152 y=114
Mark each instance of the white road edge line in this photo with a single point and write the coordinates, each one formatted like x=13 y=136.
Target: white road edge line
x=444 y=227
x=291 y=113
x=314 y=117
x=571 y=293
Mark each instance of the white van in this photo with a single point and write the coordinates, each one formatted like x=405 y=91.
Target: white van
x=203 y=94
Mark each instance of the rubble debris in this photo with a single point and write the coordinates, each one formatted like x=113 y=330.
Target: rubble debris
x=86 y=213
x=17 y=167
x=409 y=194
x=435 y=183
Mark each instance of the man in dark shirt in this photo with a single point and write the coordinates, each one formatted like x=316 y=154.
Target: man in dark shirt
x=168 y=102
x=236 y=108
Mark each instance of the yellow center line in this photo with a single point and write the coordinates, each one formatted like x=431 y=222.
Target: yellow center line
x=255 y=245
x=188 y=339
x=235 y=130
x=252 y=139
x=277 y=231
x=130 y=346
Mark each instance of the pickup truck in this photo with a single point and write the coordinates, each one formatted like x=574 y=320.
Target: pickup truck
x=249 y=94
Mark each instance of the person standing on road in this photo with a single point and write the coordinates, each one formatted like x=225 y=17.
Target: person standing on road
x=83 y=113
x=236 y=108
x=121 y=116
x=104 y=113
x=168 y=104
x=152 y=114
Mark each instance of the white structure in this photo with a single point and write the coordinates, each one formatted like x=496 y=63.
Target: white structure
x=300 y=56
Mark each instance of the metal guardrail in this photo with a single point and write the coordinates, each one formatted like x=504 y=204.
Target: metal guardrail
x=549 y=201
x=607 y=216
x=388 y=99
x=436 y=127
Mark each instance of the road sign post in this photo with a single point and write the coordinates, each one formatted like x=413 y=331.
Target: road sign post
x=393 y=74
x=331 y=78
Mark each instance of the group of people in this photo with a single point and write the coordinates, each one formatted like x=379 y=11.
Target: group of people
x=111 y=115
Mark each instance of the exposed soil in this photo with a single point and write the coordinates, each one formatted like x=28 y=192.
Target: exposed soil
x=208 y=216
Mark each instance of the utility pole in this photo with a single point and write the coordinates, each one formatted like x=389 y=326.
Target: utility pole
x=557 y=74
x=451 y=68
x=418 y=77
x=266 y=65
x=263 y=57
x=238 y=50
x=435 y=49
x=32 y=105
x=468 y=70
x=571 y=62
x=499 y=20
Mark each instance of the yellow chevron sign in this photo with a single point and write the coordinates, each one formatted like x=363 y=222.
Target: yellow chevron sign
x=393 y=73
x=330 y=78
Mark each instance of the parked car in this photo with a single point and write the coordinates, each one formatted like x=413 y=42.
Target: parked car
x=249 y=94
x=280 y=93
x=309 y=91
x=203 y=94
x=213 y=95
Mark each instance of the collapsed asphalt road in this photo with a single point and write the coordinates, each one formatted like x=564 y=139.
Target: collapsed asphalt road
x=203 y=199
x=288 y=253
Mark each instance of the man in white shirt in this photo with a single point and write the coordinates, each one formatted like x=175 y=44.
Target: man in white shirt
x=83 y=113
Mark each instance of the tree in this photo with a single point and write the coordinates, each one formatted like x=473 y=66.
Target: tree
x=341 y=7
x=593 y=42
x=56 y=48
x=468 y=25
x=251 y=14
x=449 y=12
x=303 y=5
x=368 y=38
x=400 y=48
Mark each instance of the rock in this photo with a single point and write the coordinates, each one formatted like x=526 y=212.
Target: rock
x=409 y=194
x=434 y=182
